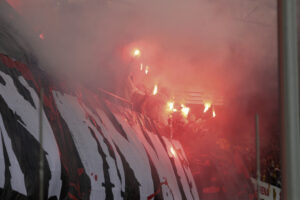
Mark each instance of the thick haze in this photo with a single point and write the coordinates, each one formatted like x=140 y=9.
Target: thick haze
x=207 y=45
x=227 y=47
x=221 y=46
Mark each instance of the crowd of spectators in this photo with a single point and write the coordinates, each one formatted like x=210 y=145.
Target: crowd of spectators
x=271 y=171
x=270 y=167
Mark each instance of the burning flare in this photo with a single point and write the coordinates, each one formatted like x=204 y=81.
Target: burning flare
x=185 y=110
x=214 y=114
x=147 y=70
x=170 y=105
x=141 y=66
x=136 y=53
x=155 y=90
x=173 y=152
x=207 y=105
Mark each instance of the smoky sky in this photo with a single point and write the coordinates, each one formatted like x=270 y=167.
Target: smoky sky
x=226 y=47
x=195 y=44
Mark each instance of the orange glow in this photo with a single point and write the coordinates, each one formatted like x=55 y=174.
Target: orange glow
x=214 y=114
x=185 y=110
x=173 y=152
x=207 y=105
x=170 y=105
x=155 y=90
x=141 y=66
x=147 y=70
x=42 y=37
x=136 y=53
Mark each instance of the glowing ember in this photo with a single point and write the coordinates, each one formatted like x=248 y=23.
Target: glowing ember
x=147 y=70
x=136 y=52
x=141 y=66
x=207 y=105
x=42 y=37
x=173 y=152
x=170 y=105
x=214 y=114
x=185 y=110
x=155 y=90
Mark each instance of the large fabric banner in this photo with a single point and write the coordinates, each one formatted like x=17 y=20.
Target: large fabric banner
x=267 y=191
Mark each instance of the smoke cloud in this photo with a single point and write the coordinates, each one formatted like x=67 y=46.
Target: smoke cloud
x=221 y=46
x=192 y=44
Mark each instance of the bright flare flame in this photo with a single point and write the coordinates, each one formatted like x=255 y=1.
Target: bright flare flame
x=173 y=152
x=185 y=110
x=147 y=70
x=170 y=105
x=214 y=114
x=155 y=90
x=206 y=107
x=136 y=53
